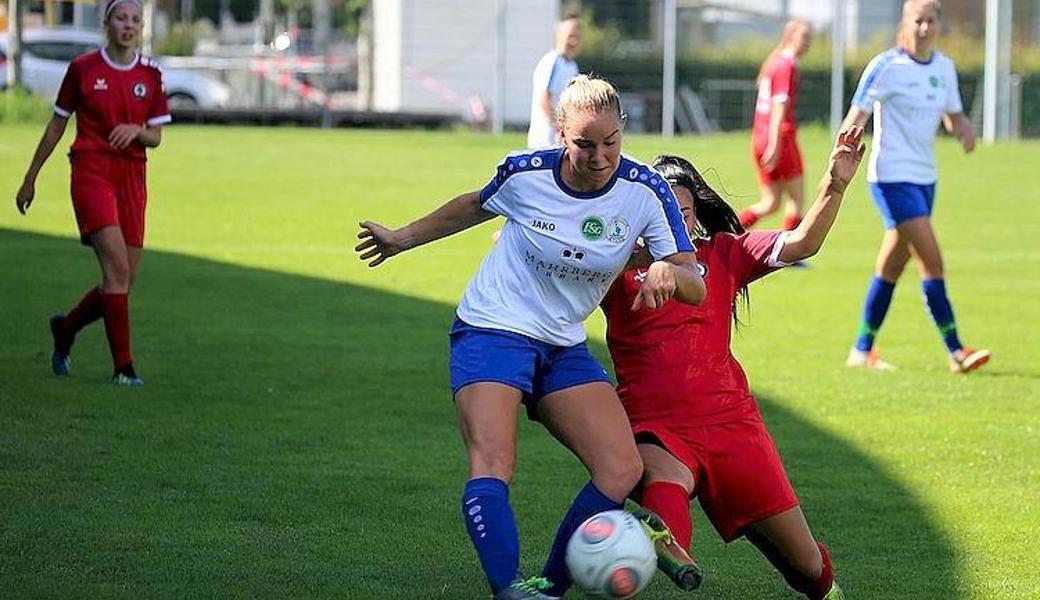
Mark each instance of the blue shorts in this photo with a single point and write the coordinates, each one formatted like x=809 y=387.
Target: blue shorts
x=535 y=368
x=900 y=201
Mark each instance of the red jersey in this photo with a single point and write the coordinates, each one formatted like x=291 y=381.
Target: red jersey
x=780 y=82
x=674 y=364
x=104 y=94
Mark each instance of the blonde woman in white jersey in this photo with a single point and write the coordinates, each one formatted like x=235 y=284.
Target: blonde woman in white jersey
x=910 y=89
x=573 y=214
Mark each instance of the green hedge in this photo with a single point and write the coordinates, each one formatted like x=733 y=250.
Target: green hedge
x=643 y=77
x=19 y=106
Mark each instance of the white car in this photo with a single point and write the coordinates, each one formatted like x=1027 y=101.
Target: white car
x=46 y=54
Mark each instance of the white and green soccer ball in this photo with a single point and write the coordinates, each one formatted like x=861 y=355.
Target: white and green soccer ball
x=610 y=556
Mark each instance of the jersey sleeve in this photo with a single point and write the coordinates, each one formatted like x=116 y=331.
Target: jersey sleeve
x=953 y=91
x=497 y=197
x=159 y=111
x=781 y=78
x=755 y=254
x=665 y=233
x=68 y=94
x=873 y=84
x=543 y=73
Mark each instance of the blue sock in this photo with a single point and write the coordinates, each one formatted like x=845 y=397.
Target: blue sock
x=588 y=502
x=492 y=528
x=942 y=313
x=879 y=297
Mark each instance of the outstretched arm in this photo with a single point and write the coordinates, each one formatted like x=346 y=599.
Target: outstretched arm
x=51 y=136
x=380 y=243
x=808 y=237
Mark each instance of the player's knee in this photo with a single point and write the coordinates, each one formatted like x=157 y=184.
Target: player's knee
x=619 y=476
x=116 y=274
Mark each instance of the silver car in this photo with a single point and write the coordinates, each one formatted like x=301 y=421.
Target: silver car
x=46 y=54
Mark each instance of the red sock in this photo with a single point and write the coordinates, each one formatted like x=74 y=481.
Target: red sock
x=117 y=328
x=86 y=312
x=791 y=221
x=671 y=502
x=819 y=588
x=748 y=218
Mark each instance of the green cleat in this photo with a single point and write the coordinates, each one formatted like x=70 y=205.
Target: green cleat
x=672 y=559
x=835 y=593
x=526 y=589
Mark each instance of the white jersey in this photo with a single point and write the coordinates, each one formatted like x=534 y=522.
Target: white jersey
x=908 y=99
x=552 y=74
x=560 y=249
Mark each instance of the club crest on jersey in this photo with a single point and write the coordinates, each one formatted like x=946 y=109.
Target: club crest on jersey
x=140 y=90
x=592 y=228
x=702 y=270
x=618 y=230
x=100 y=84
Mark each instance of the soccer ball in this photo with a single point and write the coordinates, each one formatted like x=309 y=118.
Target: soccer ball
x=610 y=556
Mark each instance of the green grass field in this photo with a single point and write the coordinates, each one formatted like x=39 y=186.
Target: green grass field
x=296 y=437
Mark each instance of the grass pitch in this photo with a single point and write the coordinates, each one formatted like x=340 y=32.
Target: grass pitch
x=296 y=437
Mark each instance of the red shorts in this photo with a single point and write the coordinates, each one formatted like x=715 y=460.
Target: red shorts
x=109 y=190
x=739 y=478
x=789 y=159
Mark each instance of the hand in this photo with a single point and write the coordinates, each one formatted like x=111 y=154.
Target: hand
x=967 y=137
x=658 y=287
x=769 y=158
x=378 y=242
x=123 y=135
x=845 y=158
x=25 y=196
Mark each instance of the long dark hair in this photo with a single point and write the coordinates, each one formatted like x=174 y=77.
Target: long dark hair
x=714 y=215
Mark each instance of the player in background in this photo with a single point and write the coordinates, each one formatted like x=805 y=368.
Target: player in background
x=910 y=89
x=555 y=69
x=774 y=140
x=120 y=106
x=572 y=215
x=697 y=426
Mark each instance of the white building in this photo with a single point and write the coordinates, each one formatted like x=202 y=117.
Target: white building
x=443 y=56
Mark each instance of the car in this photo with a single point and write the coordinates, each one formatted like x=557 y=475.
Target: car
x=46 y=54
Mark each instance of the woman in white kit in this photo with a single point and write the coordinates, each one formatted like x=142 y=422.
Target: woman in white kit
x=573 y=214
x=909 y=89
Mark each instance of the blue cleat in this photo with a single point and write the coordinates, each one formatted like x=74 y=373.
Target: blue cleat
x=60 y=363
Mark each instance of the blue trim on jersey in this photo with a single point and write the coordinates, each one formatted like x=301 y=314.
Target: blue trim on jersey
x=640 y=173
x=577 y=193
x=914 y=58
x=887 y=57
x=519 y=163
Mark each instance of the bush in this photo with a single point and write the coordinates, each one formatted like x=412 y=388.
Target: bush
x=180 y=41
x=20 y=106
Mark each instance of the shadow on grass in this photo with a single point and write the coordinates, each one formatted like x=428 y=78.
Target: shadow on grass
x=296 y=439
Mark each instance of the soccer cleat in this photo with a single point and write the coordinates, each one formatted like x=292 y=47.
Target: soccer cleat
x=835 y=593
x=60 y=362
x=967 y=360
x=672 y=559
x=126 y=377
x=526 y=589
x=867 y=360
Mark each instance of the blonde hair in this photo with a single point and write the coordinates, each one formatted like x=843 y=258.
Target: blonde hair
x=585 y=94
x=791 y=29
x=904 y=37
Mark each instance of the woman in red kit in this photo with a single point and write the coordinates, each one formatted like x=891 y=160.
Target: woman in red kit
x=774 y=142
x=697 y=426
x=120 y=106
